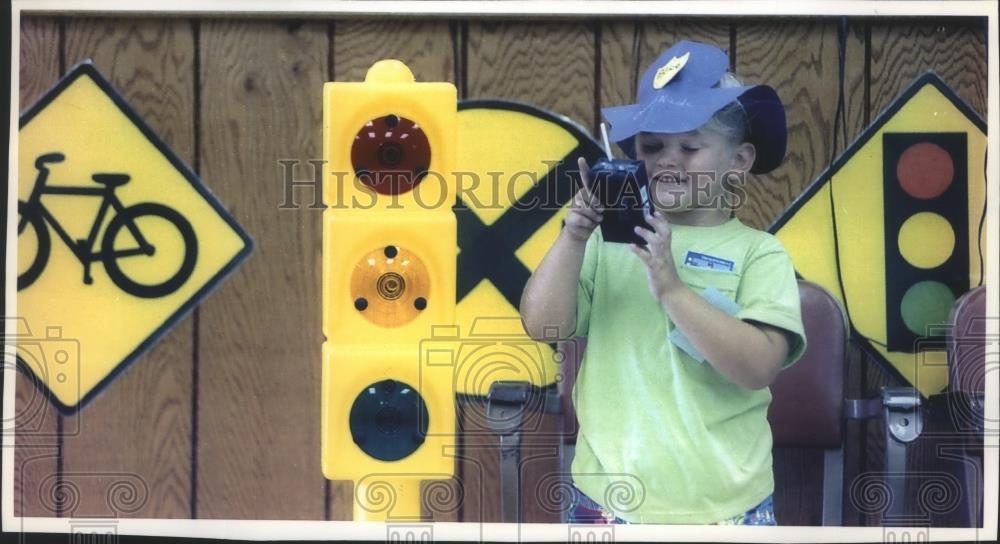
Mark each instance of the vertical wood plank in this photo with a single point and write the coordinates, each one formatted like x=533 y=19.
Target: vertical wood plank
x=900 y=52
x=258 y=454
x=137 y=432
x=800 y=59
x=551 y=65
x=903 y=50
x=798 y=486
x=429 y=50
x=39 y=58
x=36 y=421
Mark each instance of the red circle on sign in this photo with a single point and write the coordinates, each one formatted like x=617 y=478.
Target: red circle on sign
x=925 y=170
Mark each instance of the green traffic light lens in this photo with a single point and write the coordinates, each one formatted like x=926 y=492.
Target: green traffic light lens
x=924 y=304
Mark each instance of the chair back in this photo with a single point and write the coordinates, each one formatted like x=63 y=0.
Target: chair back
x=966 y=340
x=808 y=397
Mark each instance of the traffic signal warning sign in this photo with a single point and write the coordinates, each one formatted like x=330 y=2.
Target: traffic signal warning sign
x=894 y=228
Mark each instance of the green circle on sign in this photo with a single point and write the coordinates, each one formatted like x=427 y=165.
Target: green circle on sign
x=926 y=303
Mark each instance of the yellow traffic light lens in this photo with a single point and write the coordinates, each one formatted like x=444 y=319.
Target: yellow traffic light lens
x=925 y=170
x=391 y=154
x=925 y=304
x=926 y=240
x=390 y=286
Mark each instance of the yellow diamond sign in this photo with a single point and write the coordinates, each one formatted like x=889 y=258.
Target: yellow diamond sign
x=117 y=239
x=894 y=228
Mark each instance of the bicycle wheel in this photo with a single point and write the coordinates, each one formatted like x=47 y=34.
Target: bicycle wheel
x=152 y=270
x=33 y=244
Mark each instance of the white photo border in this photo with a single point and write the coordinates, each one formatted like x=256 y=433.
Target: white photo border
x=327 y=530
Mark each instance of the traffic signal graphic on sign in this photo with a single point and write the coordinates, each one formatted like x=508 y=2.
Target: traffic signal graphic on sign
x=927 y=253
x=894 y=228
x=117 y=238
x=389 y=268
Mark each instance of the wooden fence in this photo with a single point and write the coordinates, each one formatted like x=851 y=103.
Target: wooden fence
x=221 y=418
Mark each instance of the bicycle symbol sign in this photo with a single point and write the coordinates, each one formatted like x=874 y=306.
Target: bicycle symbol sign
x=125 y=224
x=117 y=238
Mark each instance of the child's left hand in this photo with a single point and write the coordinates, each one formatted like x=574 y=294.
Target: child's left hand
x=657 y=255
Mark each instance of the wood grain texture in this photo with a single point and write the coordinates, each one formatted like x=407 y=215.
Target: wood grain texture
x=137 y=432
x=258 y=452
x=541 y=469
x=35 y=419
x=550 y=65
x=628 y=48
x=901 y=52
x=478 y=470
x=798 y=486
x=429 y=50
x=799 y=59
x=479 y=464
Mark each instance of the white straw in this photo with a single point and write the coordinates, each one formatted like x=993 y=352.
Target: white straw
x=604 y=136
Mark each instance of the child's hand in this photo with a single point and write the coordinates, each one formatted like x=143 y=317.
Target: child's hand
x=585 y=212
x=657 y=256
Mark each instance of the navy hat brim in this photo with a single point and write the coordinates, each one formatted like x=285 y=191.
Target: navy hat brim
x=674 y=113
x=679 y=92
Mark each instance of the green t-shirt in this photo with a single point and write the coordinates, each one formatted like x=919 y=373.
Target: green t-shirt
x=662 y=437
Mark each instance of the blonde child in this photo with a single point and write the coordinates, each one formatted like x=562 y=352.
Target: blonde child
x=672 y=394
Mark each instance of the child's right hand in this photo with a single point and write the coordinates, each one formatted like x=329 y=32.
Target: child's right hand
x=585 y=211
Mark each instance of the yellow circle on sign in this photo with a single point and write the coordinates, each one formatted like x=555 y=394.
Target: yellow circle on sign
x=926 y=240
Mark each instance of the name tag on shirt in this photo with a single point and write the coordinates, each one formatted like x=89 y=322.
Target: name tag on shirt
x=707 y=262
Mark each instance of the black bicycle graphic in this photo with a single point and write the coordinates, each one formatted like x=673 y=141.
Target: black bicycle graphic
x=35 y=215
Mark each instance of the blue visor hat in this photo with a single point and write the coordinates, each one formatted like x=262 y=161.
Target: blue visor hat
x=679 y=93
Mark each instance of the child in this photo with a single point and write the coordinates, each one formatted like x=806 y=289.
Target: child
x=678 y=434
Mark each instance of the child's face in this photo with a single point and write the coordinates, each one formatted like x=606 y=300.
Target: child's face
x=686 y=171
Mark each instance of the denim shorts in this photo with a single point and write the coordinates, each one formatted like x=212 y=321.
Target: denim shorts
x=583 y=509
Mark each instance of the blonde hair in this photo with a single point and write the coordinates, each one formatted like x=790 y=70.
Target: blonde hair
x=730 y=121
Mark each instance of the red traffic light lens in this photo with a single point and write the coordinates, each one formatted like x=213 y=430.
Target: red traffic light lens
x=391 y=154
x=925 y=170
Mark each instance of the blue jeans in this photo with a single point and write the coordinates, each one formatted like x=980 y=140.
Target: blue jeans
x=584 y=510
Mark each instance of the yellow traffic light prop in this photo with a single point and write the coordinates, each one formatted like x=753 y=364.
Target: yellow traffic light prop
x=389 y=269
x=388 y=142
x=894 y=228
x=389 y=275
